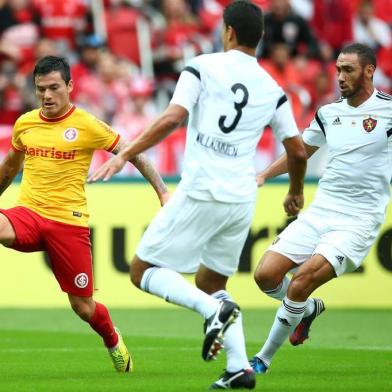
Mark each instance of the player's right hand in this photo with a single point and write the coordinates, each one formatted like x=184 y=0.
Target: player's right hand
x=108 y=169
x=293 y=204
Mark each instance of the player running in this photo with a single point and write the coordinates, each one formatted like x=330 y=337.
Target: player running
x=56 y=143
x=230 y=99
x=336 y=232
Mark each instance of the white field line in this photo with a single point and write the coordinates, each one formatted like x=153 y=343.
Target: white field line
x=154 y=348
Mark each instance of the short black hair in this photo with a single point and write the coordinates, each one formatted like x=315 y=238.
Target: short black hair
x=49 y=64
x=247 y=21
x=365 y=54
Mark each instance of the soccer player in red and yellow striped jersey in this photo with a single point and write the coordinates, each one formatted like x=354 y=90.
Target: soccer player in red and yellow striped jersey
x=56 y=144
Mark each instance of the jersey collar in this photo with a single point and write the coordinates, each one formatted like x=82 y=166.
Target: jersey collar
x=240 y=54
x=56 y=119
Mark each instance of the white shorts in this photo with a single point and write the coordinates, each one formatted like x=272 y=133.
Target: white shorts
x=187 y=232
x=344 y=240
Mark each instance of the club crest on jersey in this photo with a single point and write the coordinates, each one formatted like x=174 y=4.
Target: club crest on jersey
x=70 y=134
x=369 y=124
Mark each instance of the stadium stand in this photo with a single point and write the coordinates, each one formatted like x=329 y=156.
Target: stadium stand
x=133 y=51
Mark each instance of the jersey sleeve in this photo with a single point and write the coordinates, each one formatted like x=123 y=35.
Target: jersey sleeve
x=283 y=123
x=314 y=135
x=188 y=87
x=103 y=136
x=16 y=142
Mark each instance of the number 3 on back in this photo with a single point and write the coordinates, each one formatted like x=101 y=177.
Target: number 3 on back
x=237 y=106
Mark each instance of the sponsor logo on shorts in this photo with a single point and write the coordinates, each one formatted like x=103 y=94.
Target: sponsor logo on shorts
x=81 y=280
x=276 y=240
x=70 y=134
x=340 y=259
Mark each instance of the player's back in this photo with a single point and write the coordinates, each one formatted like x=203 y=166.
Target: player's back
x=237 y=100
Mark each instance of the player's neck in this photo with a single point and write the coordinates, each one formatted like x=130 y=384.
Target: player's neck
x=361 y=97
x=245 y=49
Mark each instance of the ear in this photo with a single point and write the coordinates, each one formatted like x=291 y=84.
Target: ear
x=231 y=34
x=70 y=86
x=369 y=70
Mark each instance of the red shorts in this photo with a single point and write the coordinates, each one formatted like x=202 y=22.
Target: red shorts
x=68 y=248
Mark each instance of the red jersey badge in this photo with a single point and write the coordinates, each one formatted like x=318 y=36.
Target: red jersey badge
x=369 y=124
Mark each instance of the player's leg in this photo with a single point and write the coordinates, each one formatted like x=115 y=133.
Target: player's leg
x=289 y=250
x=69 y=250
x=20 y=229
x=237 y=367
x=220 y=260
x=170 y=285
x=97 y=315
x=172 y=244
x=345 y=246
x=309 y=276
x=7 y=232
x=271 y=274
x=174 y=288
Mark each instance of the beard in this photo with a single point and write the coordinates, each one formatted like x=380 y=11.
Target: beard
x=357 y=87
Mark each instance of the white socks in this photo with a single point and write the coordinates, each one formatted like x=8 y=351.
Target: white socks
x=288 y=316
x=280 y=292
x=171 y=286
x=234 y=340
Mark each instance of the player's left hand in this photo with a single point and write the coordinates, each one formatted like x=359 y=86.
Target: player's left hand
x=293 y=204
x=108 y=169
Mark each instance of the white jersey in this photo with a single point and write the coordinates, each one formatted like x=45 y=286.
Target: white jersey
x=230 y=100
x=357 y=177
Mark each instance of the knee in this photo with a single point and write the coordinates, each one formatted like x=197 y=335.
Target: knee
x=266 y=280
x=135 y=272
x=7 y=232
x=300 y=286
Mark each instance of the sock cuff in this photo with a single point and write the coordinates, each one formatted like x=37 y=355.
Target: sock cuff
x=275 y=290
x=293 y=306
x=145 y=282
x=285 y=282
x=222 y=295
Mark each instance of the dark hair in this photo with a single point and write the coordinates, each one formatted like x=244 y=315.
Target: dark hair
x=53 y=63
x=247 y=21
x=365 y=53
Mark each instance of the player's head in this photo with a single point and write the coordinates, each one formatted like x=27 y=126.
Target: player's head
x=355 y=68
x=243 y=25
x=53 y=84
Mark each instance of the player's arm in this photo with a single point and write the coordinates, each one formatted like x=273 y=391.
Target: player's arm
x=10 y=167
x=285 y=130
x=280 y=166
x=185 y=96
x=166 y=123
x=147 y=169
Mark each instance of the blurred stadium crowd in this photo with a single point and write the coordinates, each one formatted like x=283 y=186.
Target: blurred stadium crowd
x=127 y=55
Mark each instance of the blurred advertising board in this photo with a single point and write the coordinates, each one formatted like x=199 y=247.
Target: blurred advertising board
x=120 y=212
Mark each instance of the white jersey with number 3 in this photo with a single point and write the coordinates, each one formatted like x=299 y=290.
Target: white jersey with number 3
x=230 y=100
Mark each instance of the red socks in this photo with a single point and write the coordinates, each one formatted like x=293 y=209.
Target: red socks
x=102 y=324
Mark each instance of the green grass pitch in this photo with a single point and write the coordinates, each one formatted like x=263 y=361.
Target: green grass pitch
x=51 y=350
